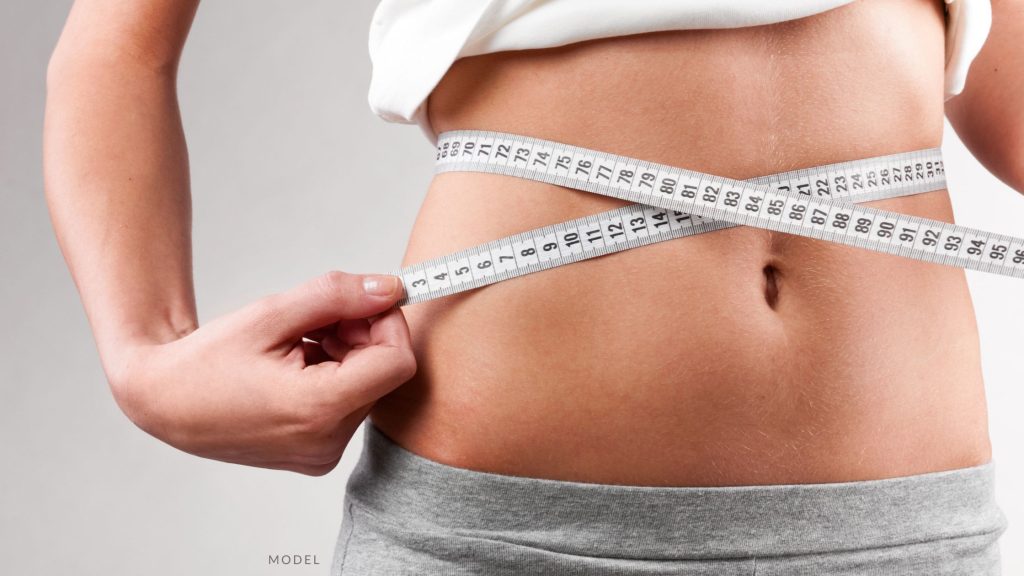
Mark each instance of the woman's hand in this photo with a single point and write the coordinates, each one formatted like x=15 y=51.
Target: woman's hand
x=246 y=388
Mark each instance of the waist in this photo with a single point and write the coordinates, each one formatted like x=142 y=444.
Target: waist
x=740 y=356
x=675 y=363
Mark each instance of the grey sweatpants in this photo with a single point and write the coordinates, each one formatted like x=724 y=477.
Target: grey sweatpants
x=406 y=514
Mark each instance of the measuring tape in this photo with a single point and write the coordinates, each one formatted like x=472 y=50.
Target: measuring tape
x=671 y=202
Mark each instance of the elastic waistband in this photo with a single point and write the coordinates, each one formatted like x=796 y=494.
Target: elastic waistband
x=647 y=522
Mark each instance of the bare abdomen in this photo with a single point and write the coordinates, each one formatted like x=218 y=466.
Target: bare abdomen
x=735 y=357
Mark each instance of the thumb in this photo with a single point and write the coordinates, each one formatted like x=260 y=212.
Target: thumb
x=328 y=298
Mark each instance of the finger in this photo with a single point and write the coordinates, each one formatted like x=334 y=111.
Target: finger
x=348 y=334
x=318 y=334
x=371 y=371
x=353 y=332
x=325 y=299
x=366 y=374
x=390 y=328
x=335 y=348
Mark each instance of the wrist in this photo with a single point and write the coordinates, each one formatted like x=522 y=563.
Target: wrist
x=124 y=371
x=133 y=359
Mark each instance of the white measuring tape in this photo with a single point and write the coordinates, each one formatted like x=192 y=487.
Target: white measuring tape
x=671 y=202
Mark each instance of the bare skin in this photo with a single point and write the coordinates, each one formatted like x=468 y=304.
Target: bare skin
x=679 y=373
x=282 y=382
x=737 y=357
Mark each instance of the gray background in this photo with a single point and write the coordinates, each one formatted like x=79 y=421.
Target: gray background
x=274 y=102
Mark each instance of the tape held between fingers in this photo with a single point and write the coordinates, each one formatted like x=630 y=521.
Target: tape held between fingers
x=318 y=303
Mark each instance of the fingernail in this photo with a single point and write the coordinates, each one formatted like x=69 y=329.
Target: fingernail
x=382 y=285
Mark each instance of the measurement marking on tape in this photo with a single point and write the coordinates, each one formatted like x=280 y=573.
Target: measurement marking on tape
x=671 y=202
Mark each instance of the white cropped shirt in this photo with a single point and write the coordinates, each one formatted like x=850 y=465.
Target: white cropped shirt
x=413 y=42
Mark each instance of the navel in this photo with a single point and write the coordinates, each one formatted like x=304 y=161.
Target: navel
x=771 y=285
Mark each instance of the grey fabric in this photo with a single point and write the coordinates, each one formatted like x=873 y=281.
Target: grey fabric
x=406 y=514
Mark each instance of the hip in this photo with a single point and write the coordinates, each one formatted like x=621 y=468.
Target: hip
x=409 y=515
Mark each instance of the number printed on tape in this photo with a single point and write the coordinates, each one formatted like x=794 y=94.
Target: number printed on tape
x=671 y=202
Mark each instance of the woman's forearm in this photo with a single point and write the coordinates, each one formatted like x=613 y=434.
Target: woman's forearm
x=117 y=186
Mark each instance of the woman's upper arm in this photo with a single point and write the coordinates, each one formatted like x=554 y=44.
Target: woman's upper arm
x=151 y=33
x=989 y=114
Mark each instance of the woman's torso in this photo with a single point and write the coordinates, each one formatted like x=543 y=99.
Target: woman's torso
x=678 y=363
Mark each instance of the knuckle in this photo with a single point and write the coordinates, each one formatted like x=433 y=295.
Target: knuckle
x=405 y=363
x=266 y=309
x=333 y=284
x=269 y=304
